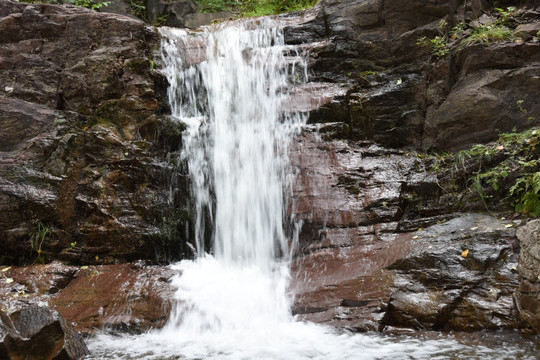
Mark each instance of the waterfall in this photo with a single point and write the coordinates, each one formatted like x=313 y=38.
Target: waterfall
x=228 y=85
x=237 y=137
x=229 y=94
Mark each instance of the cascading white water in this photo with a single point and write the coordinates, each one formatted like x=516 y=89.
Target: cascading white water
x=227 y=86
x=236 y=149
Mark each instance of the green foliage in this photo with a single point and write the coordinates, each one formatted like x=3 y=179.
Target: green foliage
x=255 y=7
x=368 y=73
x=507 y=16
x=90 y=4
x=488 y=34
x=217 y=5
x=506 y=170
x=37 y=237
x=138 y=9
x=460 y=36
x=438 y=46
x=526 y=194
x=523 y=110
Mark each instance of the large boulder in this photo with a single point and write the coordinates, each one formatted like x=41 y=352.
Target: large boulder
x=36 y=332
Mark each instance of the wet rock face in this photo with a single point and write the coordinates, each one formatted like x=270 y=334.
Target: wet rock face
x=395 y=97
x=36 y=332
x=128 y=297
x=528 y=293
x=380 y=247
x=382 y=243
x=83 y=144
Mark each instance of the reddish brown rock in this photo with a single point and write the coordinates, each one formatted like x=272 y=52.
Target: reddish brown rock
x=128 y=297
x=379 y=246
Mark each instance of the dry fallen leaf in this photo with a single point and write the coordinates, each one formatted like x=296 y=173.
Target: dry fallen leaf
x=9 y=280
x=415 y=237
x=465 y=253
x=6 y=269
x=508 y=225
x=474 y=228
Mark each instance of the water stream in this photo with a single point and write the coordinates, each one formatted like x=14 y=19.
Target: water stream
x=227 y=85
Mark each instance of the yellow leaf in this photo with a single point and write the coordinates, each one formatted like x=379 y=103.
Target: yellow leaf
x=420 y=229
x=474 y=228
x=6 y=269
x=415 y=237
x=9 y=280
x=84 y=267
x=465 y=253
x=508 y=225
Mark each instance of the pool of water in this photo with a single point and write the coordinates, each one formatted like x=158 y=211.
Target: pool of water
x=298 y=341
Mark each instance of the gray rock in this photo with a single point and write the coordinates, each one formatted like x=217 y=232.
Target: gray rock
x=36 y=332
x=529 y=270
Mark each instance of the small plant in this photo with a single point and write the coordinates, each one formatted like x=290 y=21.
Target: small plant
x=368 y=73
x=438 y=46
x=487 y=34
x=526 y=192
x=37 y=238
x=162 y=20
x=523 y=110
x=138 y=9
x=505 y=170
x=507 y=15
